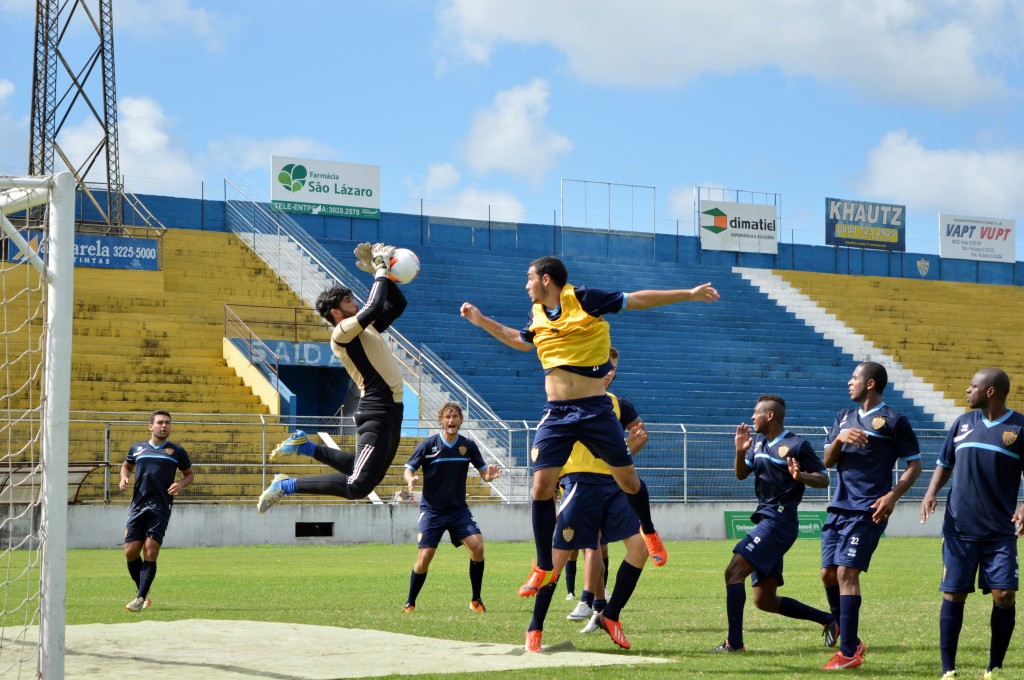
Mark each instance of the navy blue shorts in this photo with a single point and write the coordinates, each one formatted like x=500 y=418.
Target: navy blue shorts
x=589 y=509
x=764 y=548
x=591 y=421
x=458 y=523
x=849 y=539
x=146 y=522
x=995 y=563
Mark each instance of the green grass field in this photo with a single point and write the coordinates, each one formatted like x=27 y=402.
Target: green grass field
x=677 y=612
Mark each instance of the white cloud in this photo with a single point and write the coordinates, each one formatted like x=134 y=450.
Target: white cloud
x=6 y=89
x=911 y=50
x=246 y=153
x=146 y=148
x=441 y=177
x=512 y=134
x=972 y=182
x=176 y=20
x=481 y=204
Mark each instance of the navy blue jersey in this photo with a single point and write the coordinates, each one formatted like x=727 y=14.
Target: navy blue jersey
x=778 y=493
x=627 y=412
x=155 y=470
x=444 y=471
x=865 y=474
x=987 y=459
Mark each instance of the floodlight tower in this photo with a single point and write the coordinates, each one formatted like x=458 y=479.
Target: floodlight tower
x=50 y=113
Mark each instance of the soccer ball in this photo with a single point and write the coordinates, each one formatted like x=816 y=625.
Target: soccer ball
x=404 y=266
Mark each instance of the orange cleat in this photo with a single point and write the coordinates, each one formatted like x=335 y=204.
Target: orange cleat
x=614 y=630
x=477 y=606
x=656 y=548
x=841 y=662
x=408 y=608
x=862 y=649
x=537 y=579
x=533 y=640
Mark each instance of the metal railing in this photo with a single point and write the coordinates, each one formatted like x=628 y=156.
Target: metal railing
x=691 y=464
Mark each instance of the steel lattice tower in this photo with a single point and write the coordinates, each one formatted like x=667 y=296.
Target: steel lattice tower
x=50 y=113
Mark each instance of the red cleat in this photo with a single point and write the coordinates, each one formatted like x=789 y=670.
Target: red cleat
x=533 y=640
x=614 y=630
x=537 y=579
x=840 y=662
x=655 y=548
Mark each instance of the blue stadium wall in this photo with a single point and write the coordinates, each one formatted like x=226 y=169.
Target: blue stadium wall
x=535 y=240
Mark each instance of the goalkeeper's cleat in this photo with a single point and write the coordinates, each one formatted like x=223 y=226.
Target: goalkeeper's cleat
x=614 y=630
x=290 y=446
x=591 y=624
x=271 y=494
x=655 y=548
x=582 y=612
x=135 y=605
x=840 y=662
x=726 y=647
x=831 y=633
x=533 y=640
x=477 y=606
x=993 y=674
x=537 y=579
x=408 y=608
x=949 y=675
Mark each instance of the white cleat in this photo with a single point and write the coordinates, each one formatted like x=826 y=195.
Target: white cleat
x=136 y=605
x=591 y=624
x=582 y=612
x=271 y=494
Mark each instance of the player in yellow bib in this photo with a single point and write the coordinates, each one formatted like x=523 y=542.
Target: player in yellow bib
x=572 y=340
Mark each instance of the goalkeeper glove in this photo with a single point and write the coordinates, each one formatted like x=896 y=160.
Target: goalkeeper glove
x=364 y=257
x=382 y=253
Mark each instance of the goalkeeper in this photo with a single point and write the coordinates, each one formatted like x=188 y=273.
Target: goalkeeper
x=358 y=343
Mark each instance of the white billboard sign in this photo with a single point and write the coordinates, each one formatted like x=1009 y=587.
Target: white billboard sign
x=310 y=187
x=740 y=227
x=989 y=239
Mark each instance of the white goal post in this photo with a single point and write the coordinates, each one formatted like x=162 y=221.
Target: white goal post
x=35 y=385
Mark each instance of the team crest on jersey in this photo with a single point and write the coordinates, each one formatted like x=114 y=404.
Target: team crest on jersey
x=568 y=533
x=462 y=450
x=878 y=422
x=534 y=452
x=783 y=451
x=1009 y=437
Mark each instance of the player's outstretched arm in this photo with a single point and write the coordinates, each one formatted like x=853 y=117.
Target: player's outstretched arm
x=504 y=334
x=490 y=473
x=645 y=299
x=410 y=479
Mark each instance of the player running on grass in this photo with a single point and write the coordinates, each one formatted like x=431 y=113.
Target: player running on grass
x=783 y=464
x=358 y=342
x=572 y=341
x=593 y=506
x=445 y=458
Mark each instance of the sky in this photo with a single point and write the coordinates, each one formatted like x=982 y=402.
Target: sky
x=583 y=112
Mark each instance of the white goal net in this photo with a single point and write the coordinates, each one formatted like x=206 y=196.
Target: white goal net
x=36 y=306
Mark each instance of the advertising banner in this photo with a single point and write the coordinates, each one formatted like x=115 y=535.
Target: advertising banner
x=739 y=227
x=738 y=524
x=103 y=252
x=310 y=187
x=988 y=239
x=859 y=224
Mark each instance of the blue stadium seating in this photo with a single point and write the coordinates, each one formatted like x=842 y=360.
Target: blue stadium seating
x=687 y=363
